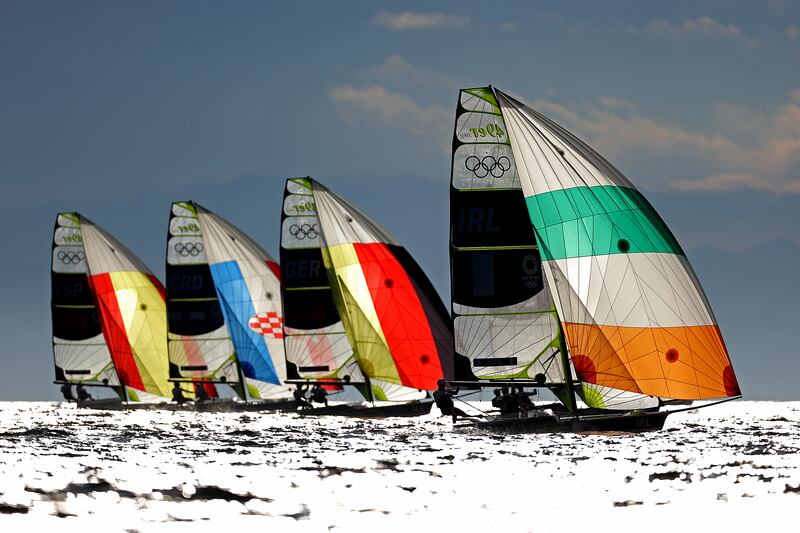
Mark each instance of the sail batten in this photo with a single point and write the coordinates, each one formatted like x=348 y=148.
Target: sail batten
x=632 y=310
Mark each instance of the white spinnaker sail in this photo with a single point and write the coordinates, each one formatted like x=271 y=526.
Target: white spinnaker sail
x=248 y=287
x=631 y=306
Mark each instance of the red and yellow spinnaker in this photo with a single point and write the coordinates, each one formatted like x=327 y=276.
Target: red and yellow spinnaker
x=132 y=313
x=397 y=324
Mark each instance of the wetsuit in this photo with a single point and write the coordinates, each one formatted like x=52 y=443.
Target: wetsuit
x=300 y=398
x=66 y=390
x=82 y=394
x=444 y=401
x=200 y=393
x=319 y=395
x=177 y=393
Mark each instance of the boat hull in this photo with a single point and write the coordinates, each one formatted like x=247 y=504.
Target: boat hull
x=415 y=408
x=209 y=406
x=632 y=422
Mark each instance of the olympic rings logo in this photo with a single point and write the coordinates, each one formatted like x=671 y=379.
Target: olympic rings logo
x=190 y=248
x=488 y=165
x=70 y=257
x=304 y=231
x=530 y=265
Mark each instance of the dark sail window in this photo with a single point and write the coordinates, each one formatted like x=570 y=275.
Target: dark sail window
x=495 y=278
x=309 y=309
x=483 y=274
x=489 y=218
x=190 y=281
x=303 y=268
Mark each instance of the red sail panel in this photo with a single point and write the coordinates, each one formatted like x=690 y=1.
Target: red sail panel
x=402 y=317
x=114 y=331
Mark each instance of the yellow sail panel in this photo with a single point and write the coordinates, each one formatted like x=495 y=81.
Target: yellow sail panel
x=134 y=317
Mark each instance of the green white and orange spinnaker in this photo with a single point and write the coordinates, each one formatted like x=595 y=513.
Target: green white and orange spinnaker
x=633 y=313
x=396 y=323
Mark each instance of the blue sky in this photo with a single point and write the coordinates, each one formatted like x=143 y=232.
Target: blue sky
x=116 y=109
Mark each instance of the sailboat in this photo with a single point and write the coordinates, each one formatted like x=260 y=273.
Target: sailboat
x=224 y=311
x=565 y=278
x=359 y=310
x=108 y=316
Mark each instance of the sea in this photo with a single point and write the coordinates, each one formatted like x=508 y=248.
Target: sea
x=729 y=467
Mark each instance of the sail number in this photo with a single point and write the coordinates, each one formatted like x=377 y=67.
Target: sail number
x=306 y=207
x=72 y=238
x=188 y=228
x=492 y=130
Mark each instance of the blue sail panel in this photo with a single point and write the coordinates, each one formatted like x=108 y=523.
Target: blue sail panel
x=237 y=306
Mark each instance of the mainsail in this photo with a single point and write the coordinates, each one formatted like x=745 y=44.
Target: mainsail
x=395 y=321
x=505 y=320
x=632 y=310
x=247 y=286
x=200 y=348
x=316 y=344
x=127 y=302
x=79 y=348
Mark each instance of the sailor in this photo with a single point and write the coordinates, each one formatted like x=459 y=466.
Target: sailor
x=509 y=402
x=83 y=394
x=200 y=393
x=177 y=393
x=300 y=397
x=319 y=395
x=497 y=401
x=513 y=401
x=444 y=400
x=66 y=390
x=525 y=402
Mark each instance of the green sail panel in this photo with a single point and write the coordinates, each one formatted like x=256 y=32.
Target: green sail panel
x=599 y=220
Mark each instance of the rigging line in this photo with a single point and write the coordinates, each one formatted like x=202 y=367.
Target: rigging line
x=470 y=405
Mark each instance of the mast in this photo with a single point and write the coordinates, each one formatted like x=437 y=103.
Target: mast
x=569 y=387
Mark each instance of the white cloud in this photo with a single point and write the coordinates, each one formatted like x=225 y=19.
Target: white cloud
x=409 y=21
x=750 y=149
x=703 y=26
x=397 y=71
x=376 y=103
